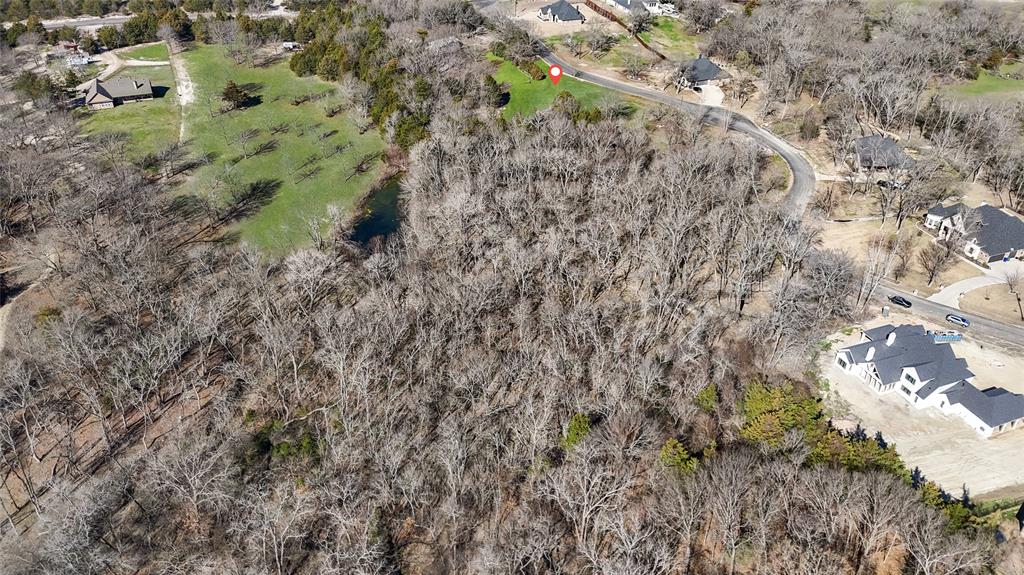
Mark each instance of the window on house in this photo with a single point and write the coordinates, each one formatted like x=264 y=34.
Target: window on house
x=842 y=363
x=909 y=378
x=904 y=389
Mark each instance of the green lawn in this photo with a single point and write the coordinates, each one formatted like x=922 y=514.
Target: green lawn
x=990 y=85
x=280 y=224
x=671 y=38
x=151 y=125
x=528 y=96
x=153 y=52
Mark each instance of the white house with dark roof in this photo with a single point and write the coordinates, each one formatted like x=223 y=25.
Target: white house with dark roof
x=623 y=5
x=994 y=234
x=561 y=11
x=907 y=361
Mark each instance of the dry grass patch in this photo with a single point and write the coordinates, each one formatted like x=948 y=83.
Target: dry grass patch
x=993 y=301
x=853 y=238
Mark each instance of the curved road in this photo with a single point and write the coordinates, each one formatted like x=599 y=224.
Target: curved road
x=799 y=194
x=800 y=188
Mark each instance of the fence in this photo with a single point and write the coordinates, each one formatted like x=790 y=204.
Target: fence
x=615 y=18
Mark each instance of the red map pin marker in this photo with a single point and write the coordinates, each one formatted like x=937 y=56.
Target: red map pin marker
x=555 y=73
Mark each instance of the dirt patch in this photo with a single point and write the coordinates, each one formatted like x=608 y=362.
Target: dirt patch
x=186 y=89
x=946 y=449
x=526 y=13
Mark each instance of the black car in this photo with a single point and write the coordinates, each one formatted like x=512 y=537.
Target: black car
x=900 y=301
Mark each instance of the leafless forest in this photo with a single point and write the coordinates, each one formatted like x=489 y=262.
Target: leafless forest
x=515 y=383
x=879 y=63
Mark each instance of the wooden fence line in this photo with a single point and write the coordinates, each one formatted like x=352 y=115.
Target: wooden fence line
x=615 y=18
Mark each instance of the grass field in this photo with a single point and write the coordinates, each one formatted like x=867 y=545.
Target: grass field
x=528 y=96
x=281 y=223
x=151 y=125
x=153 y=53
x=989 y=85
x=670 y=37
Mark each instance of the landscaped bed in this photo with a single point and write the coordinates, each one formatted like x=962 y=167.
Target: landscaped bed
x=309 y=160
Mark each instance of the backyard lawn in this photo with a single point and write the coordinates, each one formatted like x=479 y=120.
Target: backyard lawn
x=670 y=37
x=300 y=147
x=151 y=125
x=528 y=96
x=153 y=53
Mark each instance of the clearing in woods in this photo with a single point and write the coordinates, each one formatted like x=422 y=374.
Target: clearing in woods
x=527 y=95
x=303 y=159
x=153 y=52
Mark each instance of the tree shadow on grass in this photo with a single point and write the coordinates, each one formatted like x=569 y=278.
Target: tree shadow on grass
x=249 y=199
x=252 y=87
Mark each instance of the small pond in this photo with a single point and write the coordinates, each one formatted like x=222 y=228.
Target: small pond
x=382 y=215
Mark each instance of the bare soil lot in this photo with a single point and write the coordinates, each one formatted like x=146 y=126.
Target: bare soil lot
x=943 y=447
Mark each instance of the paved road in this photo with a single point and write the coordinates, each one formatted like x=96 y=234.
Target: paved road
x=118 y=19
x=112 y=20
x=981 y=327
x=802 y=186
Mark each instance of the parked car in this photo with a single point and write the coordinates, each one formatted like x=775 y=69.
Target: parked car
x=900 y=301
x=893 y=184
x=958 y=320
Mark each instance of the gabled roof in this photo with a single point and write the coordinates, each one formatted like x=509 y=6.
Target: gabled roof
x=944 y=212
x=994 y=406
x=97 y=92
x=881 y=152
x=934 y=363
x=108 y=90
x=562 y=10
x=701 y=70
x=999 y=232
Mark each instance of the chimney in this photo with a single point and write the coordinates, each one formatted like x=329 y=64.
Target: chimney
x=889 y=339
x=870 y=354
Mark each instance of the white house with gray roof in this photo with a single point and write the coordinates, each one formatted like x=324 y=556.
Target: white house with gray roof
x=561 y=11
x=992 y=234
x=907 y=361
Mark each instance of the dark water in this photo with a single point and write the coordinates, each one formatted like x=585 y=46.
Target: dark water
x=381 y=214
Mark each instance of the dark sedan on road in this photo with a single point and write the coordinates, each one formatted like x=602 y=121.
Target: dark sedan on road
x=900 y=301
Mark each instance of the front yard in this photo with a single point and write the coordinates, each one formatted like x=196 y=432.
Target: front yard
x=853 y=238
x=151 y=53
x=527 y=95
